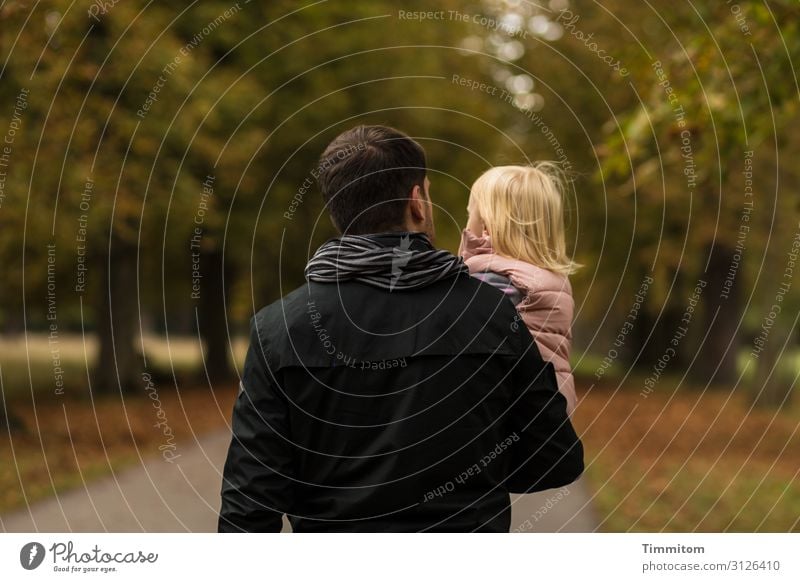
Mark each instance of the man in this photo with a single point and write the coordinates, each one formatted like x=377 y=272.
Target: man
x=392 y=392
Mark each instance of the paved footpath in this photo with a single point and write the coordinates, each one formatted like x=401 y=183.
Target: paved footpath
x=184 y=497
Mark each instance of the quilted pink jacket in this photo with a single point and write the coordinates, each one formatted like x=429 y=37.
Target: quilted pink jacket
x=546 y=306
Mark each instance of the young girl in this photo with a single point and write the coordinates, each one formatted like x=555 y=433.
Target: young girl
x=515 y=240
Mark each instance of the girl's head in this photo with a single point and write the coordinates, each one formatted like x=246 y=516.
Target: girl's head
x=522 y=209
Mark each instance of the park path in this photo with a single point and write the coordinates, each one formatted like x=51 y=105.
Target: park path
x=183 y=496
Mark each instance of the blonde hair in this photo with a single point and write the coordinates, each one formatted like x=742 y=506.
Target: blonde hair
x=522 y=207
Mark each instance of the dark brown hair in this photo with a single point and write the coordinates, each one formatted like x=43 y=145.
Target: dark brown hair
x=366 y=175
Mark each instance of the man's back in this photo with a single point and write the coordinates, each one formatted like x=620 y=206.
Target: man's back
x=365 y=409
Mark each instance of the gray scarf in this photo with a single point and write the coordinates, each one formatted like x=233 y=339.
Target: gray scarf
x=403 y=260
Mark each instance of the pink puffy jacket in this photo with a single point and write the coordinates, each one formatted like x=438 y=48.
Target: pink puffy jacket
x=546 y=306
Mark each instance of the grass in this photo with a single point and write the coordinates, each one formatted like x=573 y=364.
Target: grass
x=683 y=460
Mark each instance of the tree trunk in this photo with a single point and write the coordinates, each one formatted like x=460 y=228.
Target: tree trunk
x=716 y=360
x=653 y=337
x=14 y=323
x=119 y=364
x=10 y=421
x=212 y=315
x=662 y=332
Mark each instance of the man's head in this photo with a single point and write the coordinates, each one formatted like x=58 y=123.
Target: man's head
x=373 y=180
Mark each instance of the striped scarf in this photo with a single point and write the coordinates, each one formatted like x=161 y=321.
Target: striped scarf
x=387 y=261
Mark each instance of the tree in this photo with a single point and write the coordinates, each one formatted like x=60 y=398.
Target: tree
x=140 y=106
x=705 y=129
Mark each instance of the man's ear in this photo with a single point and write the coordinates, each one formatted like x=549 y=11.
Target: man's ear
x=416 y=204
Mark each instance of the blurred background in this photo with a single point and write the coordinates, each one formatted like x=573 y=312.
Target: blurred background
x=157 y=188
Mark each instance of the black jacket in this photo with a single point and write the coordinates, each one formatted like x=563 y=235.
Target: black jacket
x=368 y=410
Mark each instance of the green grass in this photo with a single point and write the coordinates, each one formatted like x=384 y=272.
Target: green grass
x=695 y=499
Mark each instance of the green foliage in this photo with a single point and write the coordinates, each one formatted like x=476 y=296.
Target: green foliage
x=736 y=93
